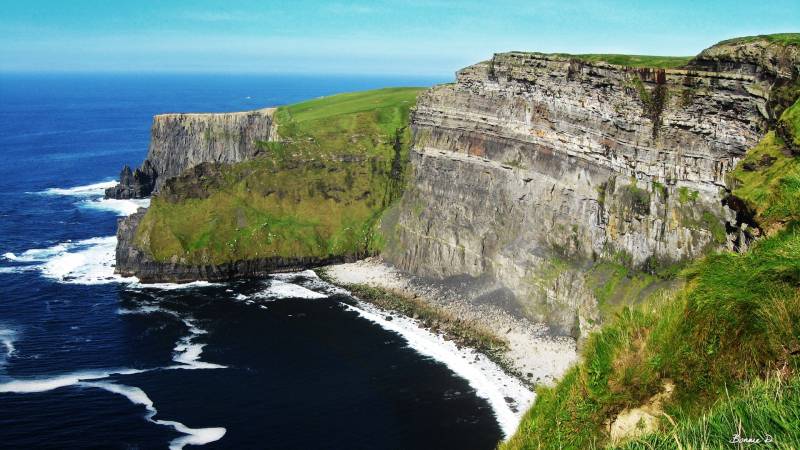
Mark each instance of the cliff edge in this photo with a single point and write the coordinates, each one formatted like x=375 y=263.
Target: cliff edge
x=181 y=141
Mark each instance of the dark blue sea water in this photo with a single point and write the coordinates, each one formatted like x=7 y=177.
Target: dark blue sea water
x=91 y=361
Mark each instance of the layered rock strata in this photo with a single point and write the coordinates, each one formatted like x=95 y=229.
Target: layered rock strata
x=182 y=141
x=531 y=168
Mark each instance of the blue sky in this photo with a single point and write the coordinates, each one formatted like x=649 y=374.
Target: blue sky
x=425 y=37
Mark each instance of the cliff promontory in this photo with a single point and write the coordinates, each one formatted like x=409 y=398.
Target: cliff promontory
x=315 y=180
x=181 y=141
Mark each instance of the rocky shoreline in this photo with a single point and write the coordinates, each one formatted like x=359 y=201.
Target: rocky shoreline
x=532 y=352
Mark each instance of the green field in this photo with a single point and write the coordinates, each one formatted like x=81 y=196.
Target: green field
x=317 y=192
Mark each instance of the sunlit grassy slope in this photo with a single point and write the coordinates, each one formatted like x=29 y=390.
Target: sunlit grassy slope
x=659 y=62
x=778 y=38
x=317 y=192
x=729 y=341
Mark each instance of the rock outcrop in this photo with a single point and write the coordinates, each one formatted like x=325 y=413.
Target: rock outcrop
x=182 y=141
x=530 y=168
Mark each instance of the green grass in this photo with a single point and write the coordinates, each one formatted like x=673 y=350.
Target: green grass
x=737 y=318
x=768 y=178
x=764 y=409
x=614 y=285
x=791 y=120
x=686 y=196
x=317 y=193
x=637 y=61
x=777 y=38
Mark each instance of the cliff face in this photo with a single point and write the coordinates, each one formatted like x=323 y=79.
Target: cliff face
x=309 y=196
x=530 y=168
x=181 y=141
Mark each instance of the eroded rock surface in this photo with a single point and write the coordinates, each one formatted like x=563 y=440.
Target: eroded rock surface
x=530 y=168
x=181 y=141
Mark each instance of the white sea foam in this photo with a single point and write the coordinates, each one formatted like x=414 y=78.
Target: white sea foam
x=88 y=261
x=44 y=384
x=173 y=286
x=121 y=207
x=97 y=190
x=186 y=352
x=290 y=276
x=86 y=190
x=281 y=289
x=7 y=338
x=483 y=375
x=193 y=436
x=38 y=254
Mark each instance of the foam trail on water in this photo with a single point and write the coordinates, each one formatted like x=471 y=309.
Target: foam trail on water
x=488 y=379
x=7 y=338
x=88 y=261
x=121 y=207
x=86 y=190
x=38 y=254
x=172 y=286
x=186 y=352
x=44 y=384
x=193 y=436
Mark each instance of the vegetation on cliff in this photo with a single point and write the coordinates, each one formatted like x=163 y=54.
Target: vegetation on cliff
x=317 y=192
x=768 y=179
x=636 y=61
x=728 y=341
x=777 y=38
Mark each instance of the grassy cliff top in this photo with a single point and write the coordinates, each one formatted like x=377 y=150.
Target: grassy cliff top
x=317 y=192
x=667 y=62
x=777 y=38
x=638 y=61
x=350 y=103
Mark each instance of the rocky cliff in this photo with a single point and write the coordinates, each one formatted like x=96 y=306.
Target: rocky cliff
x=531 y=169
x=181 y=141
x=556 y=185
x=311 y=191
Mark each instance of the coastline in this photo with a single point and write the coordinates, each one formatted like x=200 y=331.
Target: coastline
x=531 y=353
x=527 y=355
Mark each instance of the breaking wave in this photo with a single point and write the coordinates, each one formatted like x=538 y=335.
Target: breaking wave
x=81 y=191
x=88 y=261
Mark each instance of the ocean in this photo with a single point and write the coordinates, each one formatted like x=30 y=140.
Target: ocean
x=91 y=360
